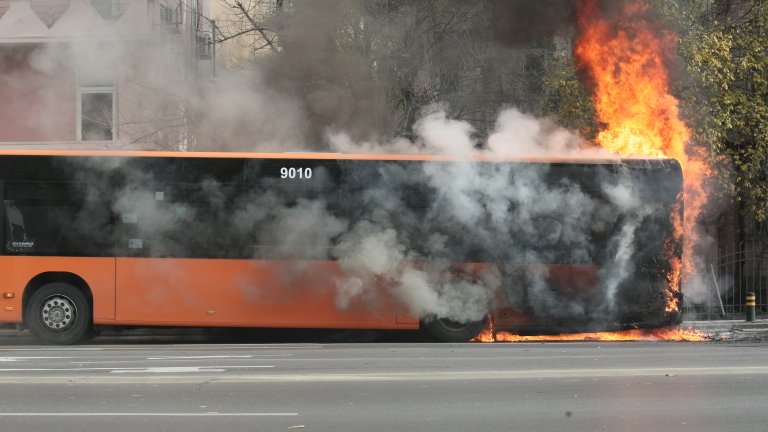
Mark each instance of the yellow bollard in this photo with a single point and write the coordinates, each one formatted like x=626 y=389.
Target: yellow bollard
x=750 y=305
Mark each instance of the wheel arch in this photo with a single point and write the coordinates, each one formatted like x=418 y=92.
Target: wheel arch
x=445 y=330
x=48 y=277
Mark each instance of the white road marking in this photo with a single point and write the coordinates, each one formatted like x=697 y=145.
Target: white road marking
x=111 y=369
x=144 y=414
x=174 y=347
x=199 y=357
x=15 y=359
x=167 y=370
x=498 y=375
x=54 y=349
x=190 y=358
x=503 y=375
x=73 y=359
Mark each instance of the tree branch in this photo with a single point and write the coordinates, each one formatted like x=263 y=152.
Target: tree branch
x=256 y=27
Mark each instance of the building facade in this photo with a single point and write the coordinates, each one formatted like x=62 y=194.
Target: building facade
x=101 y=73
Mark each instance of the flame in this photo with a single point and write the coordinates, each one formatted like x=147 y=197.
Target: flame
x=670 y=250
x=658 y=334
x=624 y=58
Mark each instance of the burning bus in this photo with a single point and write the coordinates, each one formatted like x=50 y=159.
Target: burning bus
x=336 y=241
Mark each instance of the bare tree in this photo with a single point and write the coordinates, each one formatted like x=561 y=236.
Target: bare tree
x=373 y=67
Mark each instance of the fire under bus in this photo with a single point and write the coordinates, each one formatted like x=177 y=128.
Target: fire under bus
x=98 y=239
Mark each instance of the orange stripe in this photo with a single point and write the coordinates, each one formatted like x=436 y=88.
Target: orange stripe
x=319 y=156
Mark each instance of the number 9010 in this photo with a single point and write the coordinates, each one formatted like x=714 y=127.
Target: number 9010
x=292 y=173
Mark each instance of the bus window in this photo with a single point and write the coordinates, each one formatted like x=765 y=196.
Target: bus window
x=291 y=208
x=204 y=208
x=54 y=218
x=17 y=233
x=173 y=207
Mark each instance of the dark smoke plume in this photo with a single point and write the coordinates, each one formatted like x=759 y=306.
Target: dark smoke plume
x=519 y=23
x=331 y=83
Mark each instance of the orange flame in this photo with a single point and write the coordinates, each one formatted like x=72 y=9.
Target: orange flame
x=657 y=334
x=624 y=57
x=625 y=60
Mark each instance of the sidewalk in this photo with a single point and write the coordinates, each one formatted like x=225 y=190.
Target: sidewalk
x=757 y=326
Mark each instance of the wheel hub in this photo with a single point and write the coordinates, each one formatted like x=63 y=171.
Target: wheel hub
x=58 y=313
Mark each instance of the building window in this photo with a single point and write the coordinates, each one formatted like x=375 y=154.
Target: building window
x=97 y=114
x=170 y=18
x=108 y=9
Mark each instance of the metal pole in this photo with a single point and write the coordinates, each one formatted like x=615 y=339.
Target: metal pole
x=750 y=306
x=717 y=288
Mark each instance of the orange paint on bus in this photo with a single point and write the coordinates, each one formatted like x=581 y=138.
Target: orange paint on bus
x=317 y=156
x=97 y=273
x=258 y=293
x=204 y=292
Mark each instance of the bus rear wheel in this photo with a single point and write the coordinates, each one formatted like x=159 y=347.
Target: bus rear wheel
x=59 y=313
x=446 y=330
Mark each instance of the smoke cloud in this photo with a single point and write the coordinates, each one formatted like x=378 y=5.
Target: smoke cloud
x=402 y=230
x=518 y=23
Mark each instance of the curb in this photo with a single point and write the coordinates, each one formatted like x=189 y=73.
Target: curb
x=728 y=325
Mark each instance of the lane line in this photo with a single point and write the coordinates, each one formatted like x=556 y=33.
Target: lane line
x=15 y=359
x=49 y=349
x=137 y=414
x=144 y=359
x=505 y=375
x=177 y=369
x=390 y=377
x=199 y=357
x=169 y=347
x=92 y=369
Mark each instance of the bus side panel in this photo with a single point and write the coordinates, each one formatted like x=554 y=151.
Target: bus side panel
x=247 y=293
x=12 y=285
x=98 y=273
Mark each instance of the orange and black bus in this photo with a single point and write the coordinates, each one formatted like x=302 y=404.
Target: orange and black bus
x=97 y=239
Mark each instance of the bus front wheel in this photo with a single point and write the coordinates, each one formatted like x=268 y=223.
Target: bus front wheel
x=59 y=313
x=446 y=330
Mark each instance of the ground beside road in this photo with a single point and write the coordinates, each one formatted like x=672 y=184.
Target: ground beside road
x=732 y=330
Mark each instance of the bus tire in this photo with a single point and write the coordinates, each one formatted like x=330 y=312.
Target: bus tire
x=445 y=330
x=59 y=313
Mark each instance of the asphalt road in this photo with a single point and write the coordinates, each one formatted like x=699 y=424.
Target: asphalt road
x=582 y=386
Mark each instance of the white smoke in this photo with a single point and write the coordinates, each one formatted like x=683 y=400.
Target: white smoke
x=241 y=112
x=409 y=231
x=374 y=259
x=520 y=135
x=492 y=201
